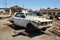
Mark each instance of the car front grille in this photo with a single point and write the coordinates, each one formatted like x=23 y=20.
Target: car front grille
x=45 y=23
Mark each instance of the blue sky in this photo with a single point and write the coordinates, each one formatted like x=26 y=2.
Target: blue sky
x=32 y=4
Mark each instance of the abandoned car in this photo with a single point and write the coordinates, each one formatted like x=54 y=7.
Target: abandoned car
x=30 y=21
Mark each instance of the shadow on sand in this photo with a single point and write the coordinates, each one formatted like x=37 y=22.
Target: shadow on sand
x=25 y=33
x=15 y=27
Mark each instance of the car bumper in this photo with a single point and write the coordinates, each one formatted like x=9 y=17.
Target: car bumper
x=46 y=26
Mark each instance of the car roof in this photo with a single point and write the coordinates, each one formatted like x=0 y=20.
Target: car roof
x=22 y=12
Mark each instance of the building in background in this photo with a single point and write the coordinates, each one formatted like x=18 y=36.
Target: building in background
x=12 y=10
x=50 y=12
x=18 y=9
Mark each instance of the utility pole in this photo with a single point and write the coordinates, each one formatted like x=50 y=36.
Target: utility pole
x=5 y=3
x=24 y=4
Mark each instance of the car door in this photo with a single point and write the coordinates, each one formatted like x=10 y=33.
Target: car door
x=20 y=19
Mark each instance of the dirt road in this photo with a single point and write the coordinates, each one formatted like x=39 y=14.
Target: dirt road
x=7 y=33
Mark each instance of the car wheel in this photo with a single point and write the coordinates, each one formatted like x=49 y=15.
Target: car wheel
x=57 y=18
x=30 y=28
x=43 y=29
x=14 y=25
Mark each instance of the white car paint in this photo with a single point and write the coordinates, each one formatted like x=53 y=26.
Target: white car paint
x=59 y=17
x=37 y=18
x=29 y=19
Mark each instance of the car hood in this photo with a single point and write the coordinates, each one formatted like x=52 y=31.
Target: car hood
x=37 y=19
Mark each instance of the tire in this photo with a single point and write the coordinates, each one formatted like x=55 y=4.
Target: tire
x=57 y=18
x=43 y=29
x=30 y=28
x=14 y=25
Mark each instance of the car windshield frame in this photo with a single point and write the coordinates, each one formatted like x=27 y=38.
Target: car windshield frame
x=19 y=14
x=31 y=14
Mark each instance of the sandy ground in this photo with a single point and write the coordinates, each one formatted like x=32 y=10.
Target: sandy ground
x=7 y=33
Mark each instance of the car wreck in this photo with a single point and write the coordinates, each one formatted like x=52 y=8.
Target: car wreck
x=30 y=21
